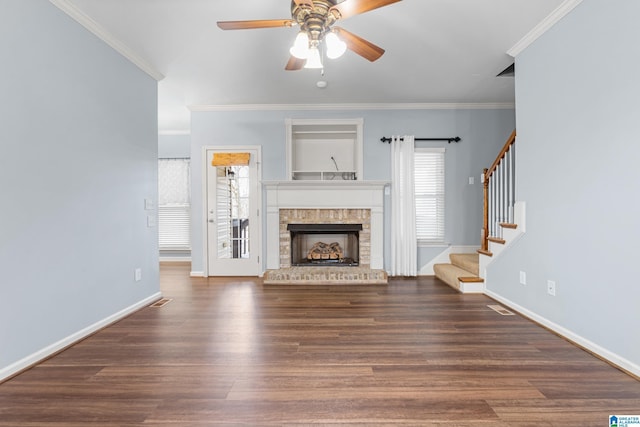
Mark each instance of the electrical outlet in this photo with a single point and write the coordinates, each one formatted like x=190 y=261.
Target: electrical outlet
x=137 y=274
x=151 y=221
x=551 y=287
x=148 y=204
x=472 y=180
x=523 y=278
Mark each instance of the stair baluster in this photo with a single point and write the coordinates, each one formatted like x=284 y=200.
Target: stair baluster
x=499 y=192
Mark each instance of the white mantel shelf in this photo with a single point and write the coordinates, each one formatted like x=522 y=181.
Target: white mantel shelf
x=307 y=194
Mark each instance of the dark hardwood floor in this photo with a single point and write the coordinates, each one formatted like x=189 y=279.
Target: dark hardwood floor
x=236 y=352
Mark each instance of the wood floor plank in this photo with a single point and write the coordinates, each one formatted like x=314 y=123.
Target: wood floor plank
x=303 y=412
x=232 y=351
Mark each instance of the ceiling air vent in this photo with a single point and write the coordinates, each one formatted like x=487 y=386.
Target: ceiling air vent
x=510 y=71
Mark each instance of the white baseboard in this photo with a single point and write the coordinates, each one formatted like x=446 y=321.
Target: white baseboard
x=443 y=258
x=174 y=259
x=42 y=354
x=605 y=354
x=197 y=274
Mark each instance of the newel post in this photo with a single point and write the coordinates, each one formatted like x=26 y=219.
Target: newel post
x=485 y=210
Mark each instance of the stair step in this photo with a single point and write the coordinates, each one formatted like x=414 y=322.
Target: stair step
x=449 y=274
x=471 y=279
x=508 y=225
x=483 y=252
x=497 y=240
x=469 y=262
x=452 y=275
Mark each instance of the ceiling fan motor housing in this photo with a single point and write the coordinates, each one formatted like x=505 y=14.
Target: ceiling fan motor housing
x=315 y=17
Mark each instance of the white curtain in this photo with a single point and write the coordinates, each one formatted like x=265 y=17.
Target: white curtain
x=404 y=251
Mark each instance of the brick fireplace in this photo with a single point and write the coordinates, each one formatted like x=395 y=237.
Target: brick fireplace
x=315 y=217
x=322 y=203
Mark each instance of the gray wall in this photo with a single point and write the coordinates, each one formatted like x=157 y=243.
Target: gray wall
x=577 y=92
x=78 y=158
x=174 y=146
x=483 y=133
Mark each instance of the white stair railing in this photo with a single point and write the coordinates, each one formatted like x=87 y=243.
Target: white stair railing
x=499 y=192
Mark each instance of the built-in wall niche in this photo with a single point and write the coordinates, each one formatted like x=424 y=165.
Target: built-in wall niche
x=325 y=150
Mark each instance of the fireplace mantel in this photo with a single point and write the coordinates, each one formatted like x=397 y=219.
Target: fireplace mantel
x=324 y=195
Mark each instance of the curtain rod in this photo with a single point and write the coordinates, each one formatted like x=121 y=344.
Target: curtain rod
x=449 y=140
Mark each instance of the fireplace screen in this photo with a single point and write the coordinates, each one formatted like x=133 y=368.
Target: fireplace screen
x=325 y=244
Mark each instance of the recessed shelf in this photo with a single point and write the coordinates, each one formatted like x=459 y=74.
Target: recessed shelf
x=324 y=149
x=325 y=175
x=324 y=132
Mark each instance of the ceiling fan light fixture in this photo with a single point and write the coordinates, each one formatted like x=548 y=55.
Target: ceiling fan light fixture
x=335 y=47
x=300 y=48
x=313 y=60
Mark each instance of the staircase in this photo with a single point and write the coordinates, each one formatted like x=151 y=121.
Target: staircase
x=462 y=273
x=503 y=223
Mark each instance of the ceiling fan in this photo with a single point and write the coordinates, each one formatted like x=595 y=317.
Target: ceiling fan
x=316 y=19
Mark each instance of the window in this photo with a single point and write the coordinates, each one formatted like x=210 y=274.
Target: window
x=429 y=194
x=174 y=206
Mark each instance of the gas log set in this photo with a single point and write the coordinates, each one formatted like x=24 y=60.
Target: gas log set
x=309 y=247
x=324 y=251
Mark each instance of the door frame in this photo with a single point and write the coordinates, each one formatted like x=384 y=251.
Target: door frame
x=205 y=195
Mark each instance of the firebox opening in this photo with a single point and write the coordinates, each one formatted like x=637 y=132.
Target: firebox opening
x=325 y=244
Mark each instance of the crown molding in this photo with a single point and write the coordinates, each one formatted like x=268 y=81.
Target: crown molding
x=333 y=107
x=80 y=17
x=544 y=26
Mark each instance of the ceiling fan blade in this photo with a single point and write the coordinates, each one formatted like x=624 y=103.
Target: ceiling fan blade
x=362 y=47
x=295 y=64
x=249 y=25
x=354 y=7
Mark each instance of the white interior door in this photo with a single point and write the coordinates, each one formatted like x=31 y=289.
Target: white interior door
x=233 y=229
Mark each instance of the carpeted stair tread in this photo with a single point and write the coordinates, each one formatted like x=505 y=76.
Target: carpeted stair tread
x=468 y=262
x=449 y=274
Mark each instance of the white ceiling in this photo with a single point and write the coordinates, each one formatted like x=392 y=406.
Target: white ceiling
x=437 y=51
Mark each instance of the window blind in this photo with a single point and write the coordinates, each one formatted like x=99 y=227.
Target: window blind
x=174 y=206
x=429 y=194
